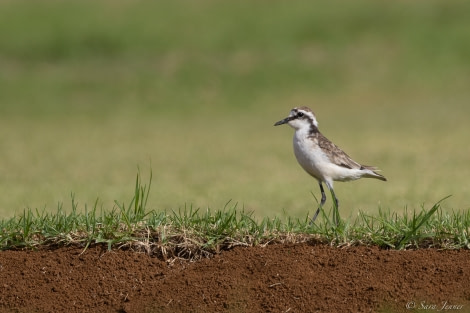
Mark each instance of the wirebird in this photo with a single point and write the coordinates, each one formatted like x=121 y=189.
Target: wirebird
x=321 y=158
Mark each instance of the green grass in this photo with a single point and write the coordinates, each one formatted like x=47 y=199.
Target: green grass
x=90 y=90
x=193 y=233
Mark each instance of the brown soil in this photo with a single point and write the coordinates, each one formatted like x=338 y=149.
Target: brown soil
x=275 y=278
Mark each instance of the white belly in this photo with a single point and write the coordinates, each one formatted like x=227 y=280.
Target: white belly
x=310 y=156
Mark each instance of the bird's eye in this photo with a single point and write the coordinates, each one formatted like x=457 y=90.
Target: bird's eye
x=300 y=114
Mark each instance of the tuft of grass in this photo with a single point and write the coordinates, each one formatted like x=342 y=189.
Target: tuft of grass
x=191 y=233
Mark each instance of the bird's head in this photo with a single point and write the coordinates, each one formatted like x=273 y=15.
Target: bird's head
x=299 y=118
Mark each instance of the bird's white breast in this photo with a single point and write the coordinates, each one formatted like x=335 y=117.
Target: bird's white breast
x=309 y=155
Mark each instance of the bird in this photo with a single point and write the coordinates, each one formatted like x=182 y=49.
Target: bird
x=321 y=158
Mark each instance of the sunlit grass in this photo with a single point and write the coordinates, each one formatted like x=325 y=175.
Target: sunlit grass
x=193 y=233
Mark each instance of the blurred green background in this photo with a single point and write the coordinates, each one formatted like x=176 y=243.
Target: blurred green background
x=92 y=90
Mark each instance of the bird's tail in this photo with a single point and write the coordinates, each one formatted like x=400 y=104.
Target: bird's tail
x=371 y=172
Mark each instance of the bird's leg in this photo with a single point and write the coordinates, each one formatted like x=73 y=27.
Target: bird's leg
x=322 y=202
x=336 y=217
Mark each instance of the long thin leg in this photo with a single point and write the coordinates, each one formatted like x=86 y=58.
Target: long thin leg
x=336 y=217
x=322 y=202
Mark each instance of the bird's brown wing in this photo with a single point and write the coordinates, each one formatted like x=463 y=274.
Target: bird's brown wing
x=336 y=155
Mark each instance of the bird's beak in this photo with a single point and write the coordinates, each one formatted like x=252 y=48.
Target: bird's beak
x=284 y=121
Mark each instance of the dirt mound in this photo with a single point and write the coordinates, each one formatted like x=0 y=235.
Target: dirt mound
x=276 y=278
